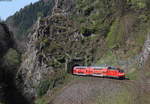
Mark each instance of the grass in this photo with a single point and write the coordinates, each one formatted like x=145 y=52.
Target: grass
x=109 y=59
x=110 y=38
x=41 y=101
x=133 y=74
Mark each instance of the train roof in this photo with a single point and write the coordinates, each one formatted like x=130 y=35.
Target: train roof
x=92 y=66
x=80 y=66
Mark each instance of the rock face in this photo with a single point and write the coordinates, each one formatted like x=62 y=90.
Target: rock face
x=6 y=39
x=143 y=57
x=55 y=39
x=6 y=42
x=48 y=47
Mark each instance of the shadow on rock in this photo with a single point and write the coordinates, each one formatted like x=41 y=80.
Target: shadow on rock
x=11 y=95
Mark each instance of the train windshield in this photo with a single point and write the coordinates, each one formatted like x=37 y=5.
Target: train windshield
x=121 y=71
x=97 y=68
x=112 y=68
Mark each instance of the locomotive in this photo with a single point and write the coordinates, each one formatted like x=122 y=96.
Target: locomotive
x=106 y=71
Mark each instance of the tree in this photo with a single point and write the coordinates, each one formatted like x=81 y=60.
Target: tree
x=147 y=3
x=0 y=19
x=40 y=14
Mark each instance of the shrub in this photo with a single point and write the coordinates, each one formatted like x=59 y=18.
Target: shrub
x=138 y=3
x=54 y=81
x=40 y=101
x=12 y=58
x=43 y=87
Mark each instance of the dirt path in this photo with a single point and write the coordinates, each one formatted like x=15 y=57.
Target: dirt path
x=93 y=90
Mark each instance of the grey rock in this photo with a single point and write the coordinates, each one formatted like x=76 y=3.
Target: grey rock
x=35 y=64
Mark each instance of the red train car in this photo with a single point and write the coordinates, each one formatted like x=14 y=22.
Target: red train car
x=99 y=71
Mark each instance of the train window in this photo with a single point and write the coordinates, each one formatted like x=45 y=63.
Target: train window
x=97 y=69
x=82 y=68
x=112 y=68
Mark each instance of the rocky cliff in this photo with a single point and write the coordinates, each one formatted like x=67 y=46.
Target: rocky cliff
x=6 y=42
x=9 y=62
x=100 y=34
x=6 y=39
x=48 y=47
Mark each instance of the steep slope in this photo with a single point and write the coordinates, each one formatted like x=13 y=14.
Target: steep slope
x=23 y=20
x=53 y=40
x=89 y=90
x=92 y=90
x=5 y=39
x=98 y=91
x=98 y=32
x=9 y=61
x=5 y=43
x=45 y=53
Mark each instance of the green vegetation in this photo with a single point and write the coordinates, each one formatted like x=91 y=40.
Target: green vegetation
x=23 y=20
x=12 y=59
x=92 y=16
x=41 y=101
x=54 y=81
x=62 y=79
x=140 y=3
x=113 y=30
x=109 y=59
x=123 y=34
x=44 y=86
x=133 y=74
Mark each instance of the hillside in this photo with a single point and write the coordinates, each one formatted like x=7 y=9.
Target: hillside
x=21 y=22
x=9 y=63
x=113 y=32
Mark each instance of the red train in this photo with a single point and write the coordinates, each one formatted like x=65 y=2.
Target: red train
x=107 y=71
